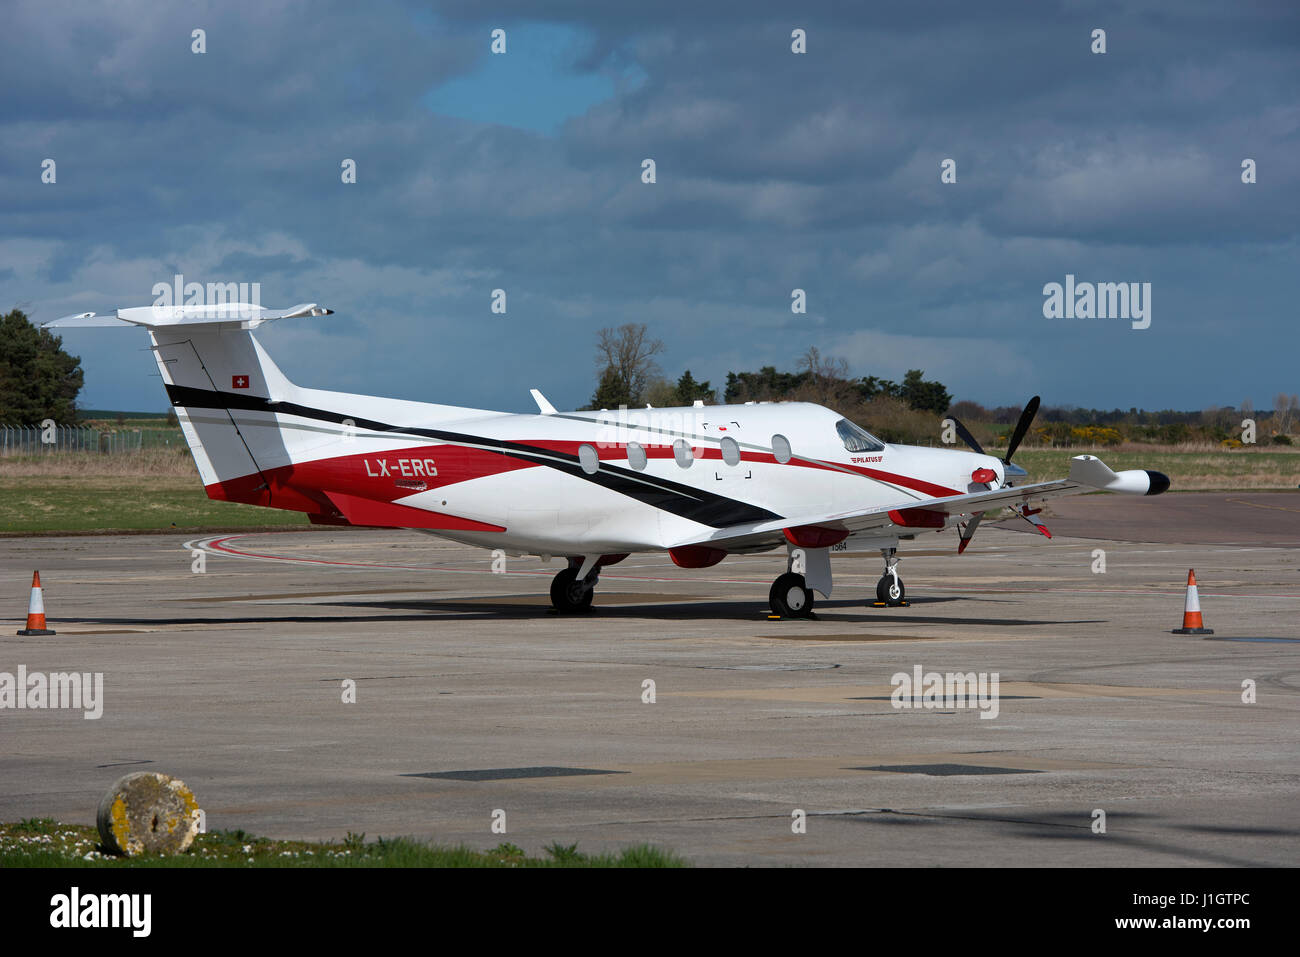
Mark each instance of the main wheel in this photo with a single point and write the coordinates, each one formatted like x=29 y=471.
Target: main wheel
x=790 y=597
x=890 y=590
x=568 y=595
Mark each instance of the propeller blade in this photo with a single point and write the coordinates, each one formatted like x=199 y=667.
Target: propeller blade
x=1026 y=419
x=965 y=435
x=1025 y=511
x=968 y=532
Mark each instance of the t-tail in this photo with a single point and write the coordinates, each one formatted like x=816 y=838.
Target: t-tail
x=223 y=387
x=249 y=428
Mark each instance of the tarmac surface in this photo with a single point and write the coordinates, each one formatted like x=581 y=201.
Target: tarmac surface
x=473 y=698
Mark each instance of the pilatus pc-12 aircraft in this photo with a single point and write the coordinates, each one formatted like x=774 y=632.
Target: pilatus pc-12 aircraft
x=699 y=483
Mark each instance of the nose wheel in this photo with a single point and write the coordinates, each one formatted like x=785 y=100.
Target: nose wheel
x=890 y=590
x=569 y=595
x=791 y=597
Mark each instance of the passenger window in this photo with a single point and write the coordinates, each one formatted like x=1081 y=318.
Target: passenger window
x=730 y=451
x=588 y=459
x=636 y=456
x=683 y=454
x=781 y=449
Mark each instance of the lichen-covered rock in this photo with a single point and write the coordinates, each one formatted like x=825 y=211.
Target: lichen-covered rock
x=148 y=813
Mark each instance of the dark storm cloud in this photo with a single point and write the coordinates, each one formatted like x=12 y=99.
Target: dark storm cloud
x=774 y=171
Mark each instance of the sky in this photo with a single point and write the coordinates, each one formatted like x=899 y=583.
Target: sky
x=774 y=171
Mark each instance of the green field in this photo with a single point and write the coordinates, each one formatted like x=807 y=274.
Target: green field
x=43 y=842
x=103 y=503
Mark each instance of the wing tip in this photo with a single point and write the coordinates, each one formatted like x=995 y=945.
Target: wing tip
x=1159 y=482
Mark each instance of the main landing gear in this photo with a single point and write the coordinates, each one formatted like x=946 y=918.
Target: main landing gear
x=791 y=597
x=890 y=590
x=571 y=595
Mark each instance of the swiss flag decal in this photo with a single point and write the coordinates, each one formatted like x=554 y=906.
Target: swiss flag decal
x=239 y=382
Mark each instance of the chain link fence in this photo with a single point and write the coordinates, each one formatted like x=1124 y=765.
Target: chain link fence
x=38 y=440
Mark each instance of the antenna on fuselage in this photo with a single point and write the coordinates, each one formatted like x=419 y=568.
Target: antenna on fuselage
x=542 y=404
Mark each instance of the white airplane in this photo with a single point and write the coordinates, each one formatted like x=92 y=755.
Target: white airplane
x=699 y=483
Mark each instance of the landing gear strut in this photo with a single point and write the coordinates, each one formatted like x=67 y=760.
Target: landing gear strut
x=890 y=587
x=791 y=597
x=571 y=596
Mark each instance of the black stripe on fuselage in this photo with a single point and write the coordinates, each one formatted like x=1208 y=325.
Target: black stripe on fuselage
x=695 y=504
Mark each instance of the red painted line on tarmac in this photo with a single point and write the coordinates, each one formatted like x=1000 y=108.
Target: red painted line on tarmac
x=219 y=545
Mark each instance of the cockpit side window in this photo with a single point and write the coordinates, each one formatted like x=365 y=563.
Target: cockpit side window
x=856 y=439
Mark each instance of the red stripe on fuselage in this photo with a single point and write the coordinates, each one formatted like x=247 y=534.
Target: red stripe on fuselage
x=907 y=481
x=710 y=452
x=374 y=475
x=916 y=484
x=301 y=487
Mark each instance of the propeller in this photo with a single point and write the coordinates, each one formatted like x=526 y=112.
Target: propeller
x=1017 y=435
x=1026 y=420
x=966 y=436
x=966 y=532
x=1024 y=511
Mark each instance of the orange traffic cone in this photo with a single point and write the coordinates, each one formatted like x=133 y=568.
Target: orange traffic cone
x=1192 y=624
x=36 y=610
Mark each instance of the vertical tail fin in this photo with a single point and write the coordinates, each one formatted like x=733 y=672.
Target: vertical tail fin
x=223 y=385
x=224 y=388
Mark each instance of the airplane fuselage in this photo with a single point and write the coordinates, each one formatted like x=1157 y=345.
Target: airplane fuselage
x=608 y=482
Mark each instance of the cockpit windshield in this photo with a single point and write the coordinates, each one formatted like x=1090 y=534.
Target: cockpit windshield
x=857 y=439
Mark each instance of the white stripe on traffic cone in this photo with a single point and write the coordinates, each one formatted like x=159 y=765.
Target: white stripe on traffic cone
x=36 y=610
x=1192 y=623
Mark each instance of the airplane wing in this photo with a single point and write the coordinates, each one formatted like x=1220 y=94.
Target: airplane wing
x=1087 y=474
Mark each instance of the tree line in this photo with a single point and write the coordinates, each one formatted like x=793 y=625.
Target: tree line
x=38 y=380
x=910 y=410
x=628 y=374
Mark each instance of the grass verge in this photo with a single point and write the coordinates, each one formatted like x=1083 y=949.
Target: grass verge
x=124 y=503
x=44 y=842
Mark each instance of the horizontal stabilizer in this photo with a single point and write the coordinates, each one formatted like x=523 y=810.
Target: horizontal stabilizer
x=246 y=315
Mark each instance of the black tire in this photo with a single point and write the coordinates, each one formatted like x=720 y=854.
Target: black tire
x=885 y=587
x=791 y=597
x=568 y=595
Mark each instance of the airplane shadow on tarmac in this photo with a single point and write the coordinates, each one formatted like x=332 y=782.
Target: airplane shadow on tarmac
x=1050 y=825
x=481 y=609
